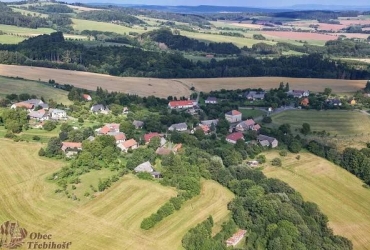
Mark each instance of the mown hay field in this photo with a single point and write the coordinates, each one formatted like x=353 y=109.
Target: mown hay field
x=336 y=122
x=312 y=84
x=90 y=81
x=109 y=221
x=20 y=86
x=339 y=194
x=174 y=87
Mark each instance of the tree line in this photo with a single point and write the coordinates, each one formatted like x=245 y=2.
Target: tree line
x=54 y=52
x=183 y=43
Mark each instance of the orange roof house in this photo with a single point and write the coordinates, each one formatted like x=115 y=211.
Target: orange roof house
x=305 y=102
x=149 y=136
x=87 y=97
x=129 y=144
x=180 y=104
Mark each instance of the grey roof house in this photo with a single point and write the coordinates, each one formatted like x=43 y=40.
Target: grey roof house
x=255 y=95
x=144 y=167
x=178 y=127
x=267 y=141
x=138 y=124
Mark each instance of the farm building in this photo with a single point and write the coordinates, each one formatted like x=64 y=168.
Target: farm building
x=234 y=137
x=181 y=104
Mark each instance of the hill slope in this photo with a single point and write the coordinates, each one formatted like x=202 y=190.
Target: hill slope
x=110 y=221
x=338 y=193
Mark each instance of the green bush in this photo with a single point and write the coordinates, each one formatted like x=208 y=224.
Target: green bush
x=276 y=162
x=283 y=153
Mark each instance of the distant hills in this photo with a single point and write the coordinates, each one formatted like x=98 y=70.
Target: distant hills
x=220 y=9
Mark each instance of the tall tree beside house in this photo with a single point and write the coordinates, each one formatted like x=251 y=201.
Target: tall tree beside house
x=15 y=119
x=54 y=147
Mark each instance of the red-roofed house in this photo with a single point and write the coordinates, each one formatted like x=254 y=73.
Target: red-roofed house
x=245 y=125
x=180 y=104
x=118 y=136
x=109 y=128
x=149 y=136
x=25 y=105
x=129 y=144
x=74 y=146
x=86 y=97
x=256 y=127
x=205 y=128
x=236 y=238
x=234 y=137
x=233 y=116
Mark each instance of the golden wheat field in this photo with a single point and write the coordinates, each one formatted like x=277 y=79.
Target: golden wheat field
x=174 y=87
x=111 y=220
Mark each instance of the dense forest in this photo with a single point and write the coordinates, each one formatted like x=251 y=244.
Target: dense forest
x=9 y=17
x=110 y=16
x=55 y=21
x=51 y=8
x=183 y=43
x=54 y=52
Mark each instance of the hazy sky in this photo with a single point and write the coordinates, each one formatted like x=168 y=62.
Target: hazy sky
x=250 y=3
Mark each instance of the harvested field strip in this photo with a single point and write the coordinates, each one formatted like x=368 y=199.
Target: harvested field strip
x=111 y=220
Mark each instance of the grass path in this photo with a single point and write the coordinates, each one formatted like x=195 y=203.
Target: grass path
x=111 y=220
x=339 y=194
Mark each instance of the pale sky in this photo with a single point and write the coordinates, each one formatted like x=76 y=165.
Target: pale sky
x=249 y=3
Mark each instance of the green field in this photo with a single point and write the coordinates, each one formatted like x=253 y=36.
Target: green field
x=10 y=39
x=9 y=29
x=238 y=41
x=339 y=194
x=109 y=221
x=341 y=123
x=19 y=86
x=251 y=113
x=81 y=25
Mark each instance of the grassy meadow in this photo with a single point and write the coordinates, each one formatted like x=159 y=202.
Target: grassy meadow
x=339 y=194
x=19 y=86
x=109 y=221
x=340 y=123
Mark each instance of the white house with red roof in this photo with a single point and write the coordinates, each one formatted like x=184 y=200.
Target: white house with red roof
x=129 y=144
x=181 y=104
x=236 y=238
x=86 y=97
x=108 y=128
x=234 y=137
x=233 y=116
